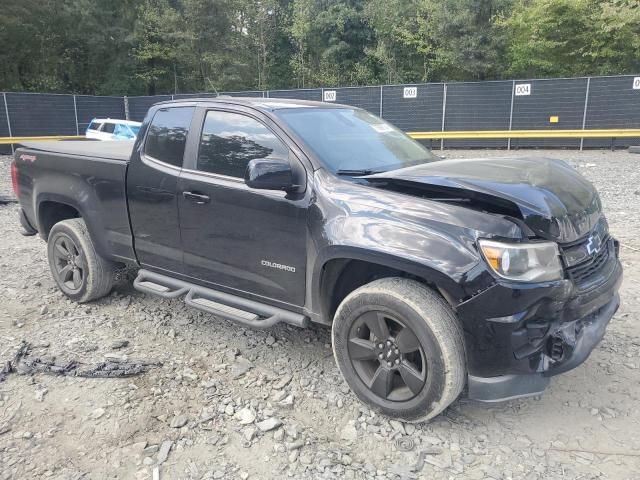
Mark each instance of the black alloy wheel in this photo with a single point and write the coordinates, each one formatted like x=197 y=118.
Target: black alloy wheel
x=69 y=263
x=400 y=348
x=76 y=267
x=387 y=356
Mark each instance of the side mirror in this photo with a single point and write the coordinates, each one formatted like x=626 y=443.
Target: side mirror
x=270 y=174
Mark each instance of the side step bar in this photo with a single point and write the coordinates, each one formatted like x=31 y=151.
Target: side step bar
x=245 y=312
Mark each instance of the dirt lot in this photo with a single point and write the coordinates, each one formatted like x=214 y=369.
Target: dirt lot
x=229 y=403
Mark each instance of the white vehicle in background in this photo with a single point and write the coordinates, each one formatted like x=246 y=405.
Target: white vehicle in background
x=110 y=129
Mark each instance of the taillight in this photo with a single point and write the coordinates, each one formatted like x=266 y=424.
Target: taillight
x=14 y=179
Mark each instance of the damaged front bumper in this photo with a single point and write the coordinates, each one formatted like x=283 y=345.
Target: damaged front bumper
x=518 y=336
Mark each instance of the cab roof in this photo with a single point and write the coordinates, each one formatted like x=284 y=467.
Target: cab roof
x=270 y=104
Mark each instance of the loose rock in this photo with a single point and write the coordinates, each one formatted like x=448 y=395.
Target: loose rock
x=163 y=452
x=117 y=344
x=179 y=421
x=349 y=432
x=268 y=424
x=245 y=416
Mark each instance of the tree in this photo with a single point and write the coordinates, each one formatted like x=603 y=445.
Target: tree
x=572 y=37
x=615 y=46
x=548 y=37
x=398 y=48
x=157 y=34
x=456 y=38
x=167 y=46
x=330 y=39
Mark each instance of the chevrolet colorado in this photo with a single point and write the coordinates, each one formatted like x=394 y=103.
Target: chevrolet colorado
x=494 y=274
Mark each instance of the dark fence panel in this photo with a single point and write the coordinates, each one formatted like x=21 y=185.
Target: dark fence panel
x=253 y=93
x=367 y=98
x=138 y=106
x=420 y=114
x=613 y=103
x=41 y=114
x=193 y=95
x=314 y=94
x=478 y=106
x=563 y=98
x=90 y=107
x=4 y=127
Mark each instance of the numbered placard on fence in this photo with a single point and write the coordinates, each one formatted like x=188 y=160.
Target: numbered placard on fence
x=329 y=95
x=636 y=83
x=523 y=89
x=410 y=92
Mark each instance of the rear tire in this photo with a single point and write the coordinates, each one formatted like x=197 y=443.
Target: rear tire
x=400 y=348
x=77 y=269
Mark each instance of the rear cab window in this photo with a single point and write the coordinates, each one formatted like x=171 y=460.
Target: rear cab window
x=94 y=126
x=167 y=135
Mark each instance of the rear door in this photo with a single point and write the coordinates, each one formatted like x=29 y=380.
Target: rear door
x=246 y=240
x=152 y=189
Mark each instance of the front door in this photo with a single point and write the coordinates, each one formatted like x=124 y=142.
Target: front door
x=235 y=237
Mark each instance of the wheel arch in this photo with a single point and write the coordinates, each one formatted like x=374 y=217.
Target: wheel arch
x=52 y=208
x=342 y=270
x=51 y=212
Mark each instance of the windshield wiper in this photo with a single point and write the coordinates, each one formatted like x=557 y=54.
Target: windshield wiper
x=358 y=173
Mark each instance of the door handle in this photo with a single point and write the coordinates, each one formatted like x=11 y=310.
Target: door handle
x=198 y=198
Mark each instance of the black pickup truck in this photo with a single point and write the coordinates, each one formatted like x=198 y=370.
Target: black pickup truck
x=494 y=274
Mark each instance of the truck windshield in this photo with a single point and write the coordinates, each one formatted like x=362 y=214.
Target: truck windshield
x=354 y=142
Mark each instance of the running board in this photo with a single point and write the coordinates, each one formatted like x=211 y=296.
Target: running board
x=240 y=310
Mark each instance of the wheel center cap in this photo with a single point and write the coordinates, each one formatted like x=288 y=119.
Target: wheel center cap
x=389 y=354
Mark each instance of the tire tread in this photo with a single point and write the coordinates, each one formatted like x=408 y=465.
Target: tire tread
x=439 y=318
x=100 y=271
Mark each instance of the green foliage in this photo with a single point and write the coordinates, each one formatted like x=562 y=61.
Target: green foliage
x=167 y=46
x=572 y=37
x=157 y=37
x=616 y=46
x=330 y=39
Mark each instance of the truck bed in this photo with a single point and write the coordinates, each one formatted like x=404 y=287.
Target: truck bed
x=107 y=150
x=87 y=176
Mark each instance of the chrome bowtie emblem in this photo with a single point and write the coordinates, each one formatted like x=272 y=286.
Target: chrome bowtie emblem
x=594 y=244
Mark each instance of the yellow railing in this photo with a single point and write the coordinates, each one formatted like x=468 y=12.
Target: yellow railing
x=9 y=140
x=605 y=133
x=450 y=135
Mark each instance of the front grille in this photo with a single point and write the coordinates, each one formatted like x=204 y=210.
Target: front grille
x=584 y=273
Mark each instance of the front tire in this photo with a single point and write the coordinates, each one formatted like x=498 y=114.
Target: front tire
x=400 y=348
x=80 y=273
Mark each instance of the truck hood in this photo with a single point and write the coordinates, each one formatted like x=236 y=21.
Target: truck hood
x=549 y=196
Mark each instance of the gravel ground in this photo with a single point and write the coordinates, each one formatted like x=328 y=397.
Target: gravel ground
x=229 y=403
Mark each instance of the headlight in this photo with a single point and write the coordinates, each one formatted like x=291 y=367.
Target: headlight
x=524 y=262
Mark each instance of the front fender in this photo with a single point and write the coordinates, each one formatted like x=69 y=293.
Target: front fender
x=434 y=241
x=447 y=261
x=453 y=290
